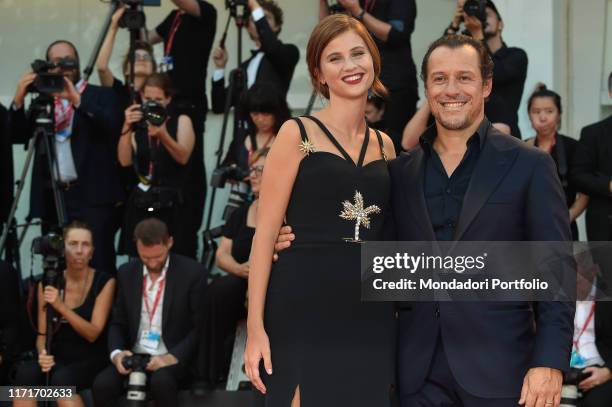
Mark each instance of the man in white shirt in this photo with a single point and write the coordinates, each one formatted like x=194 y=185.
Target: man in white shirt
x=154 y=314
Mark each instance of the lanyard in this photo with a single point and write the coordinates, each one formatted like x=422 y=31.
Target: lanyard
x=176 y=23
x=584 y=327
x=151 y=312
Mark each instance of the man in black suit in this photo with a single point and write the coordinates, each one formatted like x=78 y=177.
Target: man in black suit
x=87 y=127
x=154 y=313
x=469 y=182
x=272 y=61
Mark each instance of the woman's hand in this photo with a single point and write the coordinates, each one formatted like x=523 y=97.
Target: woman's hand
x=133 y=114
x=51 y=296
x=116 y=17
x=243 y=270
x=157 y=131
x=257 y=347
x=45 y=361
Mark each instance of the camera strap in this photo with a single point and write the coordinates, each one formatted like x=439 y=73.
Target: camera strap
x=176 y=23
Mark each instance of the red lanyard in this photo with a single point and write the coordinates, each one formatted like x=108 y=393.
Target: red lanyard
x=176 y=23
x=146 y=298
x=584 y=327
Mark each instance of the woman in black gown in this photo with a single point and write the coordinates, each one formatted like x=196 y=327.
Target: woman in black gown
x=78 y=345
x=320 y=345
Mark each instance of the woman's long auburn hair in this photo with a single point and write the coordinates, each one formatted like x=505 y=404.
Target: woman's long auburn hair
x=328 y=29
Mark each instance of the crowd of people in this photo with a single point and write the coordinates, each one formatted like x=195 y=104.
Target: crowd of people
x=466 y=175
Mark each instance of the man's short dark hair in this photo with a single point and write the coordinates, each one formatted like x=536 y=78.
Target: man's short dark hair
x=71 y=45
x=457 y=41
x=151 y=232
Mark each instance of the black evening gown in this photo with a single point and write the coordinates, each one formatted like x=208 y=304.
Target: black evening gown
x=338 y=350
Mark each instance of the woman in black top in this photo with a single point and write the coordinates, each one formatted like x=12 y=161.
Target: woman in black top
x=144 y=65
x=83 y=303
x=159 y=156
x=544 y=107
x=226 y=296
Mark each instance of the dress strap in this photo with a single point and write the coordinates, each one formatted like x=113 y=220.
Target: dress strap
x=381 y=144
x=364 y=146
x=331 y=138
x=306 y=146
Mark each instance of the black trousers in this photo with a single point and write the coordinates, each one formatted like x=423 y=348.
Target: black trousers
x=223 y=307
x=600 y=396
x=163 y=386
x=79 y=373
x=399 y=109
x=442 y=390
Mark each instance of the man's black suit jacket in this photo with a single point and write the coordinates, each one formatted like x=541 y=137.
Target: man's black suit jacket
x=276 y=67
x=95 y=133
x=514 y=195
x=182 y=293
x=592 y=173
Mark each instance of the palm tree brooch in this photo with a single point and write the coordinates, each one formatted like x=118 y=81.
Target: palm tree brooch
x=356 y=211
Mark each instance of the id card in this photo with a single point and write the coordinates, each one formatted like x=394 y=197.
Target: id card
x=576 y=360
x=143 y=187
x=166 y=64
x=150 y=340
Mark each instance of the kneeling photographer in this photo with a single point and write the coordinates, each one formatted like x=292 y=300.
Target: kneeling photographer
x=152 y=330
x=158 y=146
x=71 y=348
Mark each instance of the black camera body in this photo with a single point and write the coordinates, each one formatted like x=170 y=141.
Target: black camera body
x=154 y=113
x=476 y=8
x=48 y=82
x=137 y=381
x=334 y=7
x=51 y=247
x=222 y=174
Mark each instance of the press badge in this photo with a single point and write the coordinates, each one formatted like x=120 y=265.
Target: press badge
x=150 y=340
x=166 y=64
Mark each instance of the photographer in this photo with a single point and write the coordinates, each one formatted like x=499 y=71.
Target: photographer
x=273 y=61
x=159 y=154
x=87 y=128
x=188 y=33
x=591 y=358
x=391 y=22
x=510 y=69
x=225 y=298
x=82 y=303
x=154 y=315
x=144 y=64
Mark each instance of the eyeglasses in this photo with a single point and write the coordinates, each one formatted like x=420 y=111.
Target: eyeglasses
x=258 y=170
x=143 y=56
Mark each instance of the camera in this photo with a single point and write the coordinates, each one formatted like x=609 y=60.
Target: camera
x=137 y=381
x=222 y=174
x=569 y=391
x=476 y=8
x=154 y=113
x=49 y=82
x=51 y=247
x=335 y=7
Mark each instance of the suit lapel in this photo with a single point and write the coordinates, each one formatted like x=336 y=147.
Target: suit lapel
x=136 y=306
x=493 y=164
x=168 y=292
x=414 y=197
